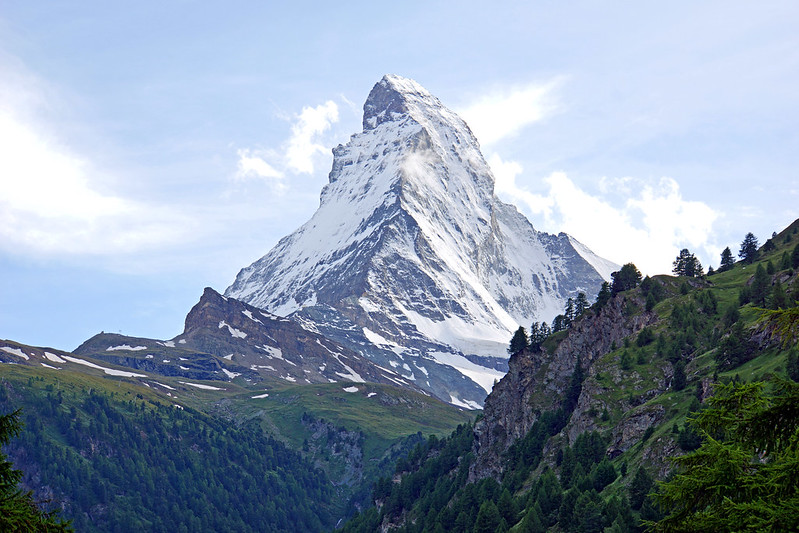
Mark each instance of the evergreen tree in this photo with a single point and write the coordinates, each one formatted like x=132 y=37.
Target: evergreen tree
x=748 y=252
x=568 y=312
x=727 y=260
x=743 y=477
x=795 y=257
x=18 y=512
x=679 y=381
x=625 y=279
x=558 y=323
x=686 y=264
x=519 y=341
x=640 y=487
x=760 y=286
x=603 y=295
x=488 y=518
x=580 y=304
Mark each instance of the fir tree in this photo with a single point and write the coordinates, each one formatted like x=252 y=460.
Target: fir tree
x=519 y=341
x=18 y=511
x=686 y=264
x=727 y=260
x=748 y=252
x=743 y=477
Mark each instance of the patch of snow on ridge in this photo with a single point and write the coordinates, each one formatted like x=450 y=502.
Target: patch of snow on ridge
x=201 y=386
x=126 y=347
x=53 y=357
x=481 y=375
x=230 y=374
x=15 y=351
x=233 y=331
x=49 y=366
x=248 y=314
x=468 y=404
x=350 y=389
x=259 y=396
x=109 y=371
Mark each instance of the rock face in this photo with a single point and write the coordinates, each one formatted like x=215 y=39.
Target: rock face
x=224 y=338
x=411 y=259
x=537 y=381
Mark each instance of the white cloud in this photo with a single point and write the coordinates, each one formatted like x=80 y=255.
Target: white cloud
x=49 y=199
x=297 y=155
x=254 y=166
x=629 y=220
x=504 y=112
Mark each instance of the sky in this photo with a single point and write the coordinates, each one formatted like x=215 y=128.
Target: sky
x=150 y=149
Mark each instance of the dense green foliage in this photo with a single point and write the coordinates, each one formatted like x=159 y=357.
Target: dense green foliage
x=128 y=466
x=686 y=264
x=18 y=510
x=745 y=476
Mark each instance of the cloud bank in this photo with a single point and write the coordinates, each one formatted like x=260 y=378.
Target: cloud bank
x=627 y=220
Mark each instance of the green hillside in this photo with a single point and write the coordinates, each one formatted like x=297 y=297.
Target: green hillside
x=162 y=453
x=594 y=450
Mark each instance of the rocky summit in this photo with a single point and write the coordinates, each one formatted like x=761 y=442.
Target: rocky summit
x=412 y=261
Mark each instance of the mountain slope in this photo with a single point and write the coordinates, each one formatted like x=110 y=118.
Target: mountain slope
x=574 y=435
x=411 y=259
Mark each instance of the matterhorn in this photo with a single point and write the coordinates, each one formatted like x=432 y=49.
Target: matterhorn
x=412 y=261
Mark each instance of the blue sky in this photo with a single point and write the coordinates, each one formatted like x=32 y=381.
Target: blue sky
x=150 y=150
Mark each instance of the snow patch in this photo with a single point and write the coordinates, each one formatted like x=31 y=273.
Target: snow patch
x=481 y=375
x=53 y=357
x=350 y=389
x=371 y=394
x=467 y=404
x=126 y=347
x=109 y=371
x=201 y=386
x=259 y=396
x=230 y=374
x=15 y=351
x=49 y=366
x=248 y=314
x=236 y=333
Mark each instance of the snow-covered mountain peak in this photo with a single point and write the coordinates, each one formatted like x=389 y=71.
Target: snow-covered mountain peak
x=410 y=254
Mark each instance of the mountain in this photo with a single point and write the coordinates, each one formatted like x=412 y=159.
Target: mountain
x=575 y=434
x=224 y=339
x=412 y=260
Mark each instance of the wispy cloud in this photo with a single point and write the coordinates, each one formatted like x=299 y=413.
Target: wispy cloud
x=50 y=201
x=628 y=219
x=299 y=154
x=504 y=112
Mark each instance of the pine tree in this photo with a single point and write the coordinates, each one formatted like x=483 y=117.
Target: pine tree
x=580 y=304
x=727 y=260
x=748 y=252
x=568 y=312
x=519 y=341
x=743 y=476
x=18 y=512
x=760 y=286
x=603 y=295
x=625 y=279
x=686 y=264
